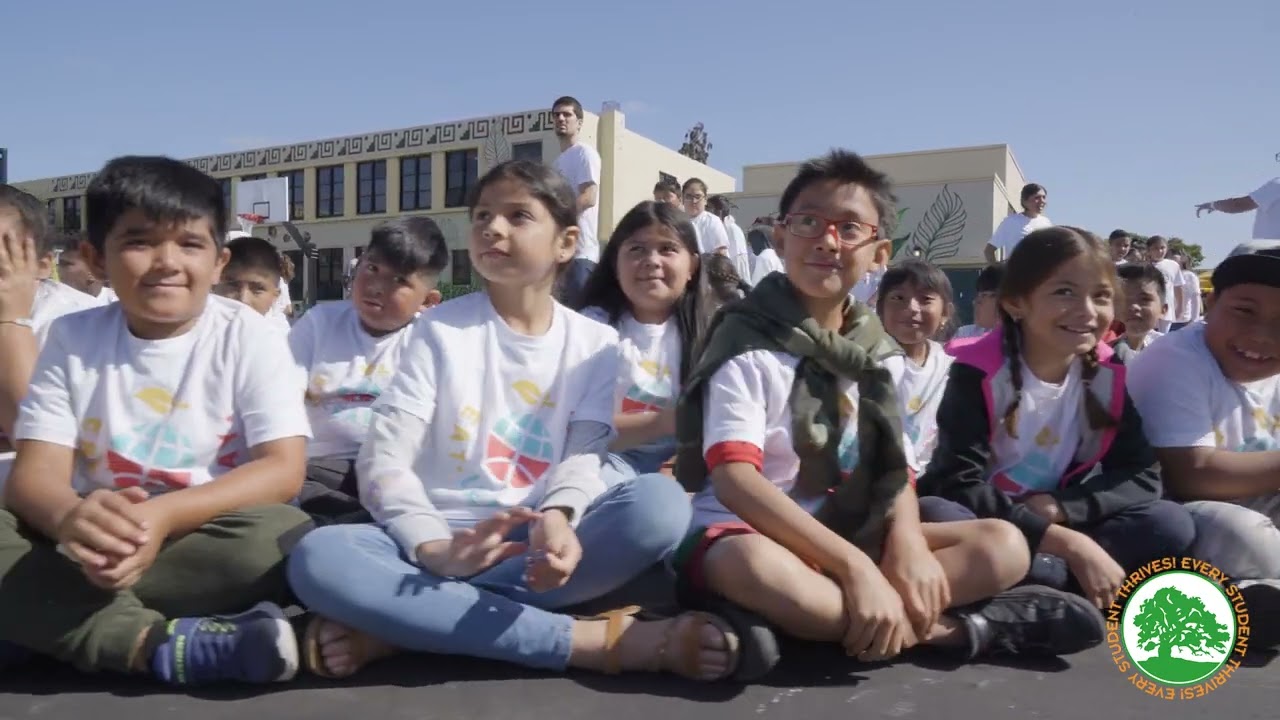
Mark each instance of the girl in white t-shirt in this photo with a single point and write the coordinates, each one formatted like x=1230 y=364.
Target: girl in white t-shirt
x=712 y=237
x=1036 y=427
x=914 y=304
x=348 y=352
x=648 y=286
x=482 y=471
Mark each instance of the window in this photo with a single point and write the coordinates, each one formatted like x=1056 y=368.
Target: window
x=52 y=209
x=256 y=176
x=531 y=151
x=461 y=172
x=329 y=274
x=71 y=213
x=329 y=192
x=226 y=195
x=297 y=188
x=415 y=183
x=372 y=179
x=665 y=178
x=461 y=267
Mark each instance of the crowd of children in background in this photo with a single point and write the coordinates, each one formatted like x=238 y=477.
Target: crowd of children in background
x=490 y=476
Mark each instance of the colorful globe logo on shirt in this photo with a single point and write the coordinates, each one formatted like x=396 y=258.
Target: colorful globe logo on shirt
x=519 y=450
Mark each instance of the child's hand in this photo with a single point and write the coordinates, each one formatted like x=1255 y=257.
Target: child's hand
x=878 y=625
x=914 y=571
x=554 y=552
x=18 y=269
x=1046 y=507
x=103 y=526
x=1099 y=575
x=125 y=572
x=478 y=548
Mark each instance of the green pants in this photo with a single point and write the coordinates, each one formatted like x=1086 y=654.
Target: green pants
x=228 y=565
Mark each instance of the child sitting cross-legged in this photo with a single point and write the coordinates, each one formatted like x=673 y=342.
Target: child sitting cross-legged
x=789 y=434
x=482 y=472
x=348 y=352
x=145 y=524
x=1210 y=400
x=1036 y=427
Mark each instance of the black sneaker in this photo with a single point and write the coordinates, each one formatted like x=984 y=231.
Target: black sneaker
x=1033 y=619
x=1262 y=600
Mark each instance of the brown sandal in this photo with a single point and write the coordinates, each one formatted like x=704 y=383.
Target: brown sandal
x=362 y=650
x=685 y=631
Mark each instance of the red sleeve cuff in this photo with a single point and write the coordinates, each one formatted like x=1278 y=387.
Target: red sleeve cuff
x=735 y=451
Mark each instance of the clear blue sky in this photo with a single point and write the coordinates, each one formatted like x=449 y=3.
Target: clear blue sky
x=1129 y=111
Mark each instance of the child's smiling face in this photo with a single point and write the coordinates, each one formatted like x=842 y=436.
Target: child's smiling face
x=1242 y=330
x=829 y=240
x=911 y=314
x=1143 y=307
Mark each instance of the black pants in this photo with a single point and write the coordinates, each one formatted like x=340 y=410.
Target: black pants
x=331 y=495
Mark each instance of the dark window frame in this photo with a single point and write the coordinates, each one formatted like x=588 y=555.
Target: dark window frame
x=412 y=167
x=370 y=176
x=527 y=148
x=467 y=162
x=331 y=178
x=297 y=193
x=70 y=211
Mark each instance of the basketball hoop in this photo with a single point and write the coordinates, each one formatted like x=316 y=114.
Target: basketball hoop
x=248 y=220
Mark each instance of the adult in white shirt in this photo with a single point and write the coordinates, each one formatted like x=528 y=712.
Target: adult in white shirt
x=1157 y=248
x=1015 y=227
x=1266 y=200
x=738 y=252
x=712 y=237
x=579 y=163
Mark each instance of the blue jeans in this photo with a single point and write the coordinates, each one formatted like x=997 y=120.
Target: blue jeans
x=638 y=461
x=358 y=576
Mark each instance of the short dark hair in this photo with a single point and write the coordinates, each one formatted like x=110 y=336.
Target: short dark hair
x=1028 y=191
x=845 y=167
x=1143 y=272
x=670 y=186
x=31 y=213
x=410 y=245
x=989 y=278
x=718 y=205
x=921 y=274
x=1157 y=239
x=692 y=182
x=571 y=101
x=254 y=254
x=1119 y=234
x=164 y=189
x=67 y=241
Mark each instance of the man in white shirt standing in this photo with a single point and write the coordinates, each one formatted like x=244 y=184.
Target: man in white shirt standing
x=1266 y=200
x=579 y=163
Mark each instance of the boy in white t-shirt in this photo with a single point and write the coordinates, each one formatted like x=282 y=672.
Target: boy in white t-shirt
x=348 y=353
x=252 y=274
x=820 y=532
x=1142 y=293
x=1210 y=401
x=157 y=446
x=1157 y=248
x=29 y=300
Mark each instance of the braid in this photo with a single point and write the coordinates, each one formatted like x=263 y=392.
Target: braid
x=1097 y=415
x=1014 y=355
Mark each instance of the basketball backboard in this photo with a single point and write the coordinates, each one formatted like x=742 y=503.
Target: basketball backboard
x=268 y=197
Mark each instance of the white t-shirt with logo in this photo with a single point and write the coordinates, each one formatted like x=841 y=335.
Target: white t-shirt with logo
x=920 y=389
x=345 y=370
x=580 y=164
x=1048 y=435
x=1266 y=219
x=1186 y=401
x=711 y=233
x=163 y=414
x=1190 y=310
x=1015 y=227
x=747 y=401
x=1172 y=273
x=498 y=405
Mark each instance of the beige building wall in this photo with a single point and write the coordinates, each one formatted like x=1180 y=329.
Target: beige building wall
x=949 y=201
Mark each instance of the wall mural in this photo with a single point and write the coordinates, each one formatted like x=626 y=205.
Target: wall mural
x=493 y=131
x=938 y=234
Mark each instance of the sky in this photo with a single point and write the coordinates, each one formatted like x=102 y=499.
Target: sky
x=1129 y=111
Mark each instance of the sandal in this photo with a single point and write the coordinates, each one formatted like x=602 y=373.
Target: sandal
x=684 y=631
x=362 y=650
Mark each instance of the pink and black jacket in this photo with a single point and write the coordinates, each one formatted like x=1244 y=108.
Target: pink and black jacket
x=1114 y=469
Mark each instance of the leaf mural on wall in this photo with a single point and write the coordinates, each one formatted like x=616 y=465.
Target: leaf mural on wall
x=938 y=234
x=497 y=148
x=898 y=242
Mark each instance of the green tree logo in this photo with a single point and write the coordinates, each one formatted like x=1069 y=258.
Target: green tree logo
x=1179 y=627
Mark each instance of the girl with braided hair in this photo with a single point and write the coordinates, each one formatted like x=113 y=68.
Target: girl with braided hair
x=1036 y=428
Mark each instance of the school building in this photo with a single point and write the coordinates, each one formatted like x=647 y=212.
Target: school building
x=340 y=188
x=950 y=201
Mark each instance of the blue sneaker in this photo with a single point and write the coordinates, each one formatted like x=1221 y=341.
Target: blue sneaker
x=257 y=646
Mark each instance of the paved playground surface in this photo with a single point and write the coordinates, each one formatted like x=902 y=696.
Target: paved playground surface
x=811 y=683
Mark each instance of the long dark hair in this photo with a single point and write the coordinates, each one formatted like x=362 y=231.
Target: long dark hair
x=706 y=291
x=1031 y=263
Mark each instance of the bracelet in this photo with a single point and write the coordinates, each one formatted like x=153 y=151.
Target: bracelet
x=20 y=322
